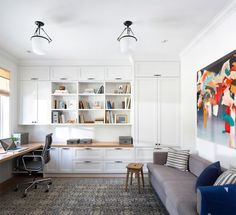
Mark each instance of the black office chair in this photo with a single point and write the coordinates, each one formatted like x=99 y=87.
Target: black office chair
x=33 y=163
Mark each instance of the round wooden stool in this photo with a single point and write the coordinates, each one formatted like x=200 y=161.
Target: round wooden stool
x=135 y=168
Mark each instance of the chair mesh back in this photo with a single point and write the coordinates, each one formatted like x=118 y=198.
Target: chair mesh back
x=47 y=146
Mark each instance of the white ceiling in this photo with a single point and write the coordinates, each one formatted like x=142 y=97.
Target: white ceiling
x=88 y=29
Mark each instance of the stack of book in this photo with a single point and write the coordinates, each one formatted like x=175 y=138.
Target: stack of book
x=58 y=117
x=84 y=105
x=99 y=120
x=110 y=105
x=127 y=103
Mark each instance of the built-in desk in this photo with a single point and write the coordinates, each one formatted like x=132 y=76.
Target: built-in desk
x=98 y=144
x=13 y=154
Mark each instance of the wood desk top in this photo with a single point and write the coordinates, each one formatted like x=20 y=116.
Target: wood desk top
x=13 y=154
x=98 y=144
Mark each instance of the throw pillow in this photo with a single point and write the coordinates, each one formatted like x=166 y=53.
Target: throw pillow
x=178 y=159
x=209 y=175
x=227 y=177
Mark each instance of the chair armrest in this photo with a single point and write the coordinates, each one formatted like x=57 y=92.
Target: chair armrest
x=160 y=157
x=216 y=200
x=34 y=157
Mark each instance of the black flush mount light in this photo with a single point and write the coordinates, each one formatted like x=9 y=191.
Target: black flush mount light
x=127 y=39
x=40 y=40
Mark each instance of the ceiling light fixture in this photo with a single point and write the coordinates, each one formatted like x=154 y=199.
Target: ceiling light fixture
x=127 y=39
x=40 y=40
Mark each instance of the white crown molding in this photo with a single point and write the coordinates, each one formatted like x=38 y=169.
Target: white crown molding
x=8 y=56
x=213 y=24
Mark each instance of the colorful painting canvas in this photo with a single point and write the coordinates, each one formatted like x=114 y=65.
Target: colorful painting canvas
x=216 y=101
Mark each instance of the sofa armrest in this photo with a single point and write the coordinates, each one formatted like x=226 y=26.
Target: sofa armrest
x=160 y=157
x=216 y=199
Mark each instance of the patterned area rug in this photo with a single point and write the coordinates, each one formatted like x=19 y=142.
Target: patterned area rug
x=83 y=196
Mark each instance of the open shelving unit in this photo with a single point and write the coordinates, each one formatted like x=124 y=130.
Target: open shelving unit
x=91 y=103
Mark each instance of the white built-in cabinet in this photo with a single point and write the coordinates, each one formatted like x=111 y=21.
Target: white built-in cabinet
x=35 y=102
x=89 y=160
x=156 y=107
x=64 y=73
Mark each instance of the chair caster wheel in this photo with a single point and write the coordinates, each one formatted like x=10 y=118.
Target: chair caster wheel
x=46 y=191
x=24 y=195
x=16 y=189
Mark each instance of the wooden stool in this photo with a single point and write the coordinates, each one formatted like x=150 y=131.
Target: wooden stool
x=135 y=168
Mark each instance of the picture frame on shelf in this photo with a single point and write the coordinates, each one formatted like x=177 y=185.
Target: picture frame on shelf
x=121 y=118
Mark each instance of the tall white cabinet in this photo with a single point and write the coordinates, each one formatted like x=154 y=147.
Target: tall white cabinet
x=156 y=107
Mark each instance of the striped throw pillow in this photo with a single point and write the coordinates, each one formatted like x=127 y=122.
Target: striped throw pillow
x=227 y=177
x=178 y=159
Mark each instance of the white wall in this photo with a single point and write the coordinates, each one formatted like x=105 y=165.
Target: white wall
x=217 y=40
x=8 y=63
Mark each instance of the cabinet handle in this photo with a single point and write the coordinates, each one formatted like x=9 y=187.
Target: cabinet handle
x=65 y=148
x=87 y=148
x=34 y=79
x=118 y=78
x=53 y=149
x=157 y=75
x=34 y=121
x=118 y=162
x=118 y=148
x=90 y=78
x=63 y=78
x=87 y=161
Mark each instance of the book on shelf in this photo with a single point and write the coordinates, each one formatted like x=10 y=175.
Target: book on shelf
x=81 y=118
x=128 y=89
x=99 y=120
x=84 y=105
x=127 y=103
x=110 y=105
x=89 y=91
x=110 y=117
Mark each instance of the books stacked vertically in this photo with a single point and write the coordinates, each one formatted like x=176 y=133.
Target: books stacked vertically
x=127 y=103
x=110 y=117
x=100 y=90
x=58 y=117
x=110 y=105
x=84 y=105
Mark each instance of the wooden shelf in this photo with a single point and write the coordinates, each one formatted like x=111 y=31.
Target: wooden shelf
x=65 y=94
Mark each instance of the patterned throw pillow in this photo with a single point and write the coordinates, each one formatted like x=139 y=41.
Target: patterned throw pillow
x=178 y=159
x=227 y=177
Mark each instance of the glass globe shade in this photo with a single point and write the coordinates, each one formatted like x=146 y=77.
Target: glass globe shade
x=127 y=43
x=39 y=45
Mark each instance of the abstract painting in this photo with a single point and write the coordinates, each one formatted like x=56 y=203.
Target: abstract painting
x=216 y=101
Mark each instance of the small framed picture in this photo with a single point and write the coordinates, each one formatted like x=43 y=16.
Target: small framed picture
x=121 y=118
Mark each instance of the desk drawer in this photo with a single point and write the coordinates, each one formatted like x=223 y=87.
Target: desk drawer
x=88 y=166
x=119 y=154
x=116 y=166
x=89 y=154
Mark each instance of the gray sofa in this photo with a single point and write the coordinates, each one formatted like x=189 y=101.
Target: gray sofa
x=176 y=188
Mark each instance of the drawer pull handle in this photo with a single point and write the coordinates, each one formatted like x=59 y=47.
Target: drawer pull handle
x=157 y=75
x=53 y=149
x=87 y=148
x=63 y=78
x=118 y=162
x=34 y=79
x=87 y=161
x=118 y=148
x=90 y=78
x=118 y=78
x=65 y=148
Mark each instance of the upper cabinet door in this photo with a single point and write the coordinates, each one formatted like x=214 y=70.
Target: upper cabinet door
x=92 y=73
x=44 y=102
x=119 y=73
x=64 y=73
x=163 y=69
x=28 y=102
x=34 y=73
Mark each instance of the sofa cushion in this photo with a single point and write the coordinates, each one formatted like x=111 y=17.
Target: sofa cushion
x=197 y=164
x=209 y=175
x=182 y=195
x=227 y=177
x=165 y=173
x=178 y=159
